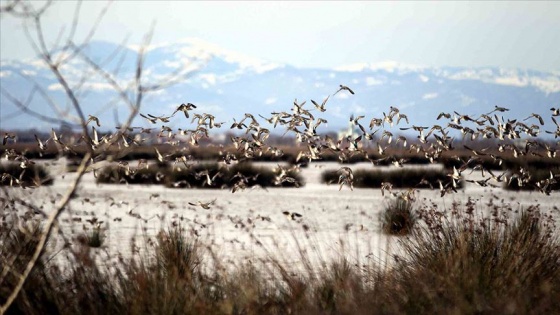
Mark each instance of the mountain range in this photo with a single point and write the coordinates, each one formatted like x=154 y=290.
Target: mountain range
x=229 y=84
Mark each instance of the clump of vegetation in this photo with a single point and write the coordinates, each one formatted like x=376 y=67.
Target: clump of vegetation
x=178 y=254
x=399 y=178
x=265 y=177
x=479 y=264
x=200 y=175
x=170 y=279
x=93 y=238
x=533 y=179
x=398 y=217
x=214 y=175
x=33 y=175
x=117 y=174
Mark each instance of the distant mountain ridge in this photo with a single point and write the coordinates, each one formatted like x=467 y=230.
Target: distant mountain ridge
x=228 y=84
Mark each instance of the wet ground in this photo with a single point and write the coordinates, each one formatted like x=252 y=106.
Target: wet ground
x=250 y=224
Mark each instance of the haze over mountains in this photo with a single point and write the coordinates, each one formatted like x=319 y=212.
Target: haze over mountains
x=228 y=84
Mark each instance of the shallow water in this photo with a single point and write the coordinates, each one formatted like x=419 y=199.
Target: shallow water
x=250 y=224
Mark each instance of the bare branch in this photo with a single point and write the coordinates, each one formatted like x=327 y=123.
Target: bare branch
x=46 y=97
x=88 y=37
x=72 y=93
x=24 y=107
x=75 y=21
x=106 y=76
x=72 y=32
x=140 y=66
x=59 y=38
x=42 y=43
x=44 y=8
x=123 y=57
x=9 y=7
x=21 y=9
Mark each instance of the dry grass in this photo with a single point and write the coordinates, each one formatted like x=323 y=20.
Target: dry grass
x=93 y=238
x=398 y=217
x=472 y=264
x=454 y=261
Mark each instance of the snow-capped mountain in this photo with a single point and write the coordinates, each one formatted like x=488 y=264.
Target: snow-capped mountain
x=228 y=84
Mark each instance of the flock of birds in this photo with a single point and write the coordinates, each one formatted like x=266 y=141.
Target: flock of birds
x=303 y=122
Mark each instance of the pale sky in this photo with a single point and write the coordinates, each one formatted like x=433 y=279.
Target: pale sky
x=329 y=34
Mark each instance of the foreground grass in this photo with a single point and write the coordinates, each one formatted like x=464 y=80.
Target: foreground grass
x=477 y=264
x=458 y=262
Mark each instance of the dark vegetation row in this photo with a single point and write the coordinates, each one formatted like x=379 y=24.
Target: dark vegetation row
x=201 y=175
x=246 y=175
x=33 y=175
x=458 y=157
x=538 y=179
x=399 y=178
x=450 y=264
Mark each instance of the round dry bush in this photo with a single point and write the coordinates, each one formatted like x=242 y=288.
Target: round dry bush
x=398 y=217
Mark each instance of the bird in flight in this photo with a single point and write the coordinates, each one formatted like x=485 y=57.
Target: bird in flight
x=322 y=106
x=184 y=108
x=42 y=145
x=94 y=119
x=344 y=87
x=537 y=116
x=7 y=136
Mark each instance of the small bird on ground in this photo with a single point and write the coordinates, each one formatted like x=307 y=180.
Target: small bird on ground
x=204 y=205
x=292 y=215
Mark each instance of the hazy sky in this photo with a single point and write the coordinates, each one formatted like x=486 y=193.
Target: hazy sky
x=329 y=34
